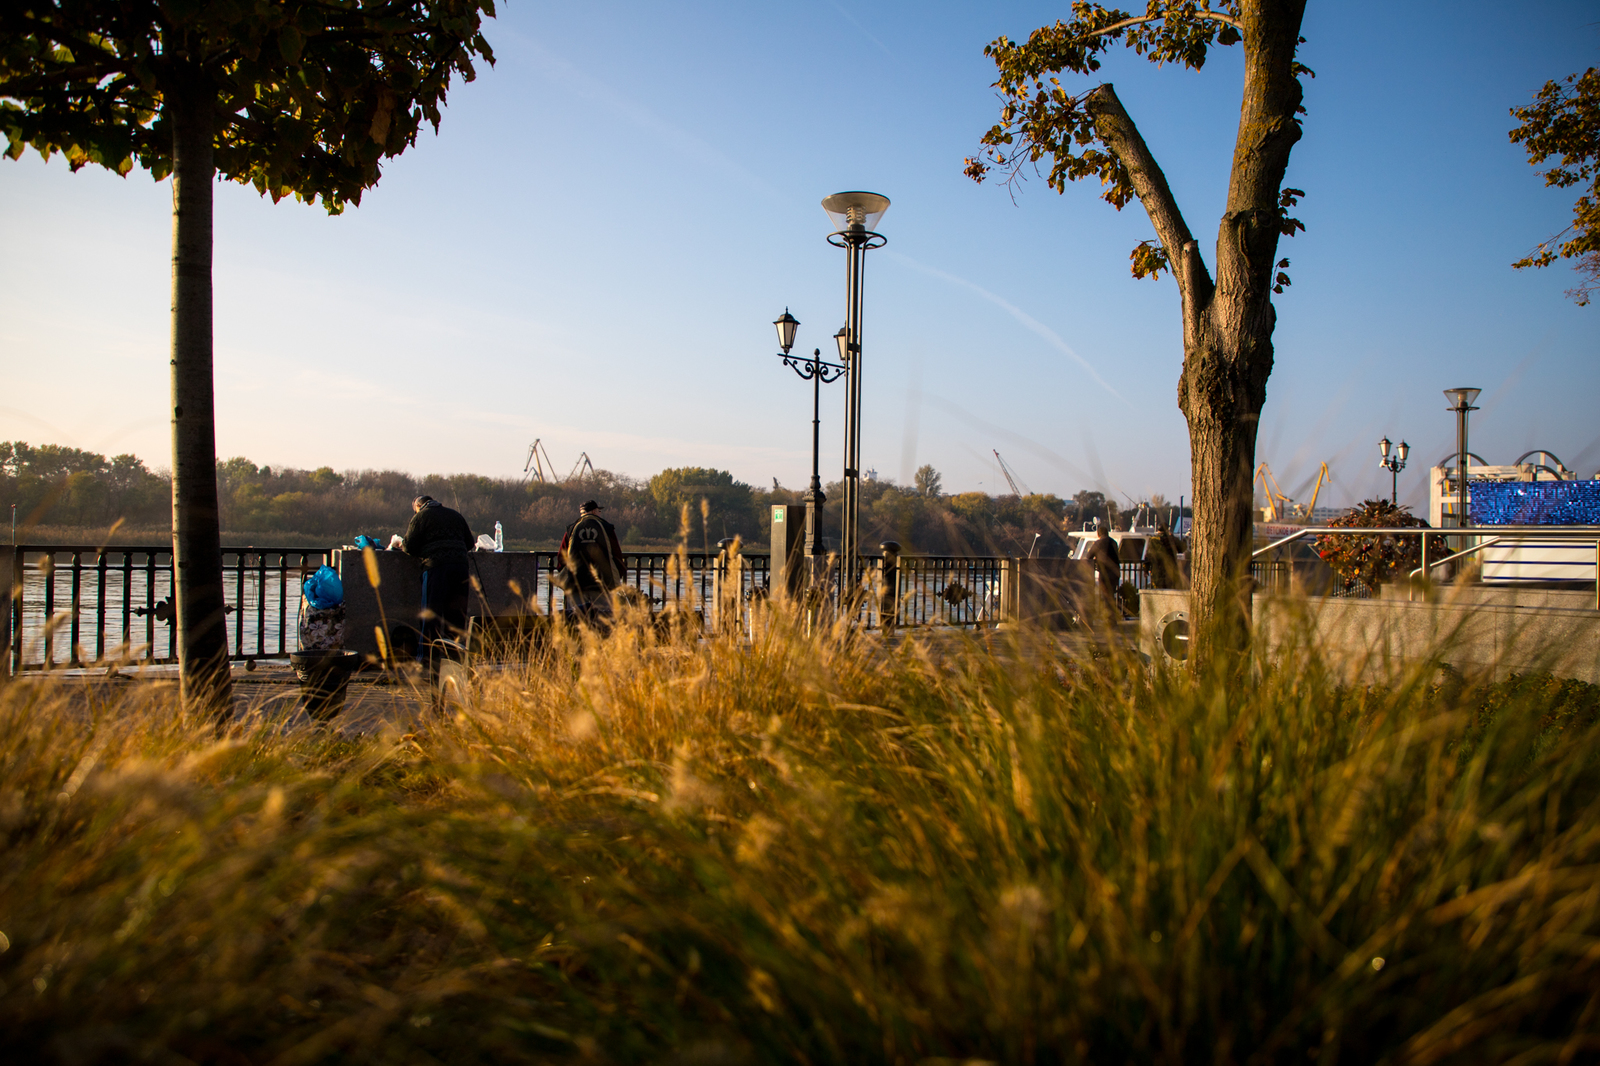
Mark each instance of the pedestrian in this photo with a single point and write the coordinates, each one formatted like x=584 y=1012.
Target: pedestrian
x=439 y=538
x=1165 y=571
x=591 y=555
x=1102 y=555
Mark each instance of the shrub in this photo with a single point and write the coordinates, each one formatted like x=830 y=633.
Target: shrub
x=1374 y=559
x=797 y=850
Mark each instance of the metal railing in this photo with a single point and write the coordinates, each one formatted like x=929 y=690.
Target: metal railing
x=1491 y=536
x=937 y=590
x=82 y=605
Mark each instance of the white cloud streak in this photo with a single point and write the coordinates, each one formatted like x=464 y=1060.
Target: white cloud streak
x=1049 y=335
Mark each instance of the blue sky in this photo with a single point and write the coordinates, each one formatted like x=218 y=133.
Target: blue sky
x=594 y=247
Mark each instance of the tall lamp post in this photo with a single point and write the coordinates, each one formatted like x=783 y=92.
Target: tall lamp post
x=1461 y=403
x=819 y=373
x=1394 y=465
x=854 y=214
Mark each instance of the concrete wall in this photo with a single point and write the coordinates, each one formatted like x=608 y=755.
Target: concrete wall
x=400 y=591
x=1475 y=629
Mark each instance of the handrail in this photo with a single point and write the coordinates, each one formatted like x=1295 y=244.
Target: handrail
x=1501 y=535
x=1542 y=532
x=1458 y=555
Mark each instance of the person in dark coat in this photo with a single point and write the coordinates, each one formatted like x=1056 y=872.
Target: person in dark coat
x=1165 y=571
x=439 y=538
x=1107 y=563
x=593 y=559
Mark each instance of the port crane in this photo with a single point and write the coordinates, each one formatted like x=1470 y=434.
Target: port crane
x=539 y=462
x=538 y=459
x=1016 y=490
x=1280 y=506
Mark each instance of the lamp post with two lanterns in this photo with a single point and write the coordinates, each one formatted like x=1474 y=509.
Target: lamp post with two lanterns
x=1394 y=464
x=819 y=372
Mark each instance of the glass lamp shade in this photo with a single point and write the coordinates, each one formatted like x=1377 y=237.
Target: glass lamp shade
x=850 y=209
x=1461 y=398
x=1405 y=450
x=1383 y=447
x=786 y=327
x=842 y=339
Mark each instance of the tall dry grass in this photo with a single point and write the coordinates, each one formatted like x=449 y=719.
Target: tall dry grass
x=813 y=850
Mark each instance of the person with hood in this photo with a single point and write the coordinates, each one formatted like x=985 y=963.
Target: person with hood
x=592 y=558
x=439 y=538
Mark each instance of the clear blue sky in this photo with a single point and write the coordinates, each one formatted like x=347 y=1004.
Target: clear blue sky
x=592 y=251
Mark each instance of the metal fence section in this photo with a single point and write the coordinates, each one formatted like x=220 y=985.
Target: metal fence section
x=938 y=590
x=81 y=605
x=679 y=580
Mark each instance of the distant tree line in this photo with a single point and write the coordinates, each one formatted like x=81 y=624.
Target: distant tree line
x=58 y=487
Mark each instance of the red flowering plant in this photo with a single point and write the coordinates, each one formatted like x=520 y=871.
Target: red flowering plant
x=1375 y=558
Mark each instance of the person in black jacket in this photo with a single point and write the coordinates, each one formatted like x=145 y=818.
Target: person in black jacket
x=1107 y=563
x=440 y=539
x=593 y=559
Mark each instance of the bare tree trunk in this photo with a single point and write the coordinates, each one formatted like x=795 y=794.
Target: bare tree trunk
x=1227 y=323
x=196 y=538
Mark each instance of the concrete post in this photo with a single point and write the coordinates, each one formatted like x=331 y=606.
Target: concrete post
x=1011 y=590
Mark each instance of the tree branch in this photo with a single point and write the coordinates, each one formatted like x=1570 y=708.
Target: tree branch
x=1204 y=13
x=1117 y=131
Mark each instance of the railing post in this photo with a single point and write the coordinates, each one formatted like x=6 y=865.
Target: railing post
x=11 y=620
x=725 y=588
x=889 y=591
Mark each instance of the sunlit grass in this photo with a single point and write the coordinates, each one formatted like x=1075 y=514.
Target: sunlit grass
x=817 y=850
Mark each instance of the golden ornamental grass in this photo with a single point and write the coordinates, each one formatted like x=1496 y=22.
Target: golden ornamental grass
x=793 y=849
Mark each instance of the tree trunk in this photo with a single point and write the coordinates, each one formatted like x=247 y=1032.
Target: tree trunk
x=1227 y=323
x=196 y=537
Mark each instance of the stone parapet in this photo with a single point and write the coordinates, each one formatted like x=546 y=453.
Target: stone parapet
x=1477 y=630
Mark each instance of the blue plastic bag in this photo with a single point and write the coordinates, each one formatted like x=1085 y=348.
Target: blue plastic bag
x=364 y=541
x=323 y=589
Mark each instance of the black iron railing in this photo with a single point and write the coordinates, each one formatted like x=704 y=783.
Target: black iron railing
x=940 y=590
x=81 y=605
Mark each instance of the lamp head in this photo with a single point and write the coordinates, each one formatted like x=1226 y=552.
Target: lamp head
x=1383 y=447
x=1404 y=450
x=842 y=339
x=786 y=327
x=1461 y=399
x=855 y=211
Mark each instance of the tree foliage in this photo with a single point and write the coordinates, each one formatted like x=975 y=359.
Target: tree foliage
x=309 y=95
x=1564 y=122
x=78 y=495
x=1228 y=315
x=1040 y=120
x=927 y=480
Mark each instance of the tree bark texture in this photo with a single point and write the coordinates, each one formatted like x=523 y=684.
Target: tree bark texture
x=1228 y=322
x=196 y=537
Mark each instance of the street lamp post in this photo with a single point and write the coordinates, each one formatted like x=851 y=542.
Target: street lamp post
x=1394 y=465
x=1461 y=403
x=854 y=214
x=819 y=372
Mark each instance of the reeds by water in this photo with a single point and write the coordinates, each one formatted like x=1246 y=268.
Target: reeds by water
x=791 y=849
